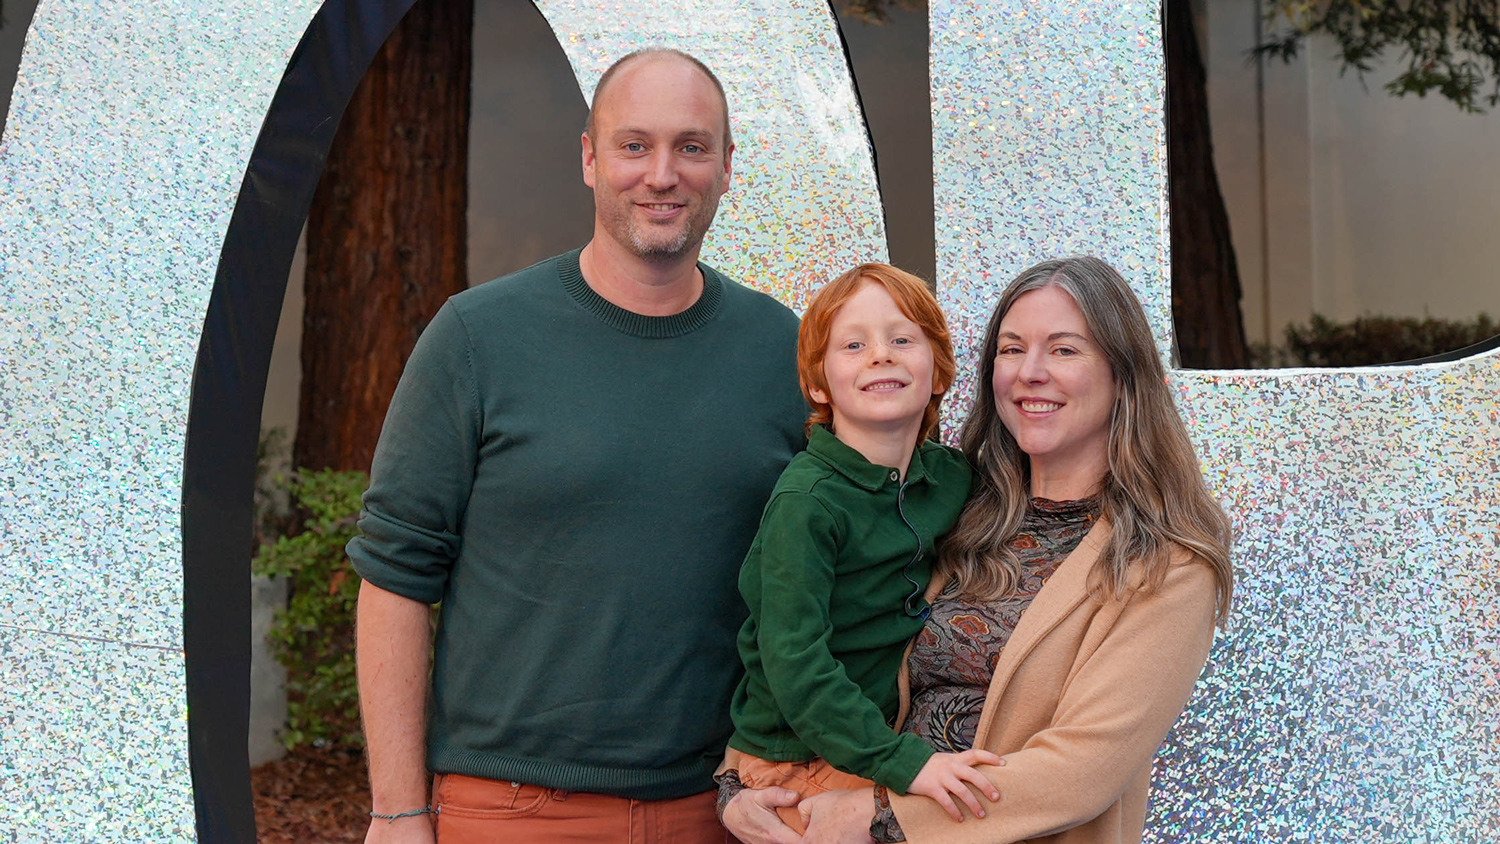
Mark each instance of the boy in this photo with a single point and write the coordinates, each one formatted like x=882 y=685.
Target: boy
x=835 y=576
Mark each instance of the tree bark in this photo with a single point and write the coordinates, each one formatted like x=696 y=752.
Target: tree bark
x=1205 y=278
x=386 y=234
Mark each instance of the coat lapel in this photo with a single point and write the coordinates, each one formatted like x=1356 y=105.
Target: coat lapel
x=1063 y=592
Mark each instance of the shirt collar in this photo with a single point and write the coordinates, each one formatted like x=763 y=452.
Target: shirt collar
x=853 y=465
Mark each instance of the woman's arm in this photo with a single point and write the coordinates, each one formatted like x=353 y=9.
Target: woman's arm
x=1108 y=725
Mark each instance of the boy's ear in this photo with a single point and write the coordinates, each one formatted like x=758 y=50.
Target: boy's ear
x=818 y=395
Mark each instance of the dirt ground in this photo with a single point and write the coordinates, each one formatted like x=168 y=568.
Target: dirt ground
x=312 y=796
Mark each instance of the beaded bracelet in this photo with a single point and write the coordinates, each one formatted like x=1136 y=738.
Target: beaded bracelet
x=425 y=810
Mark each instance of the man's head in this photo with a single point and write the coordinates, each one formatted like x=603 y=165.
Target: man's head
x=657 y=153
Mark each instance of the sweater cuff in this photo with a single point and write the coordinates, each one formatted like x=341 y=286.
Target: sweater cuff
x=905 y=763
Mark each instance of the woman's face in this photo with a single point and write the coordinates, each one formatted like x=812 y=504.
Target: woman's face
x=1054 y=389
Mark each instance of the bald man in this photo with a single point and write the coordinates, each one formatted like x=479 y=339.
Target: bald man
x=573 y=467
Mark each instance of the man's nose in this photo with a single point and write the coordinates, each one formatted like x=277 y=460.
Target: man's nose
x=662 y=174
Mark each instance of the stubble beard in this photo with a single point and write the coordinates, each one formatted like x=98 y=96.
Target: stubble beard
x=648 y=244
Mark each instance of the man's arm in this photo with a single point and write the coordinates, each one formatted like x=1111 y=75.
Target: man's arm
x=394 y=656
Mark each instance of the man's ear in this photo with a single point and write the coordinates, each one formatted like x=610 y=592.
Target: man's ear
x=588 y=160
x=728 y=167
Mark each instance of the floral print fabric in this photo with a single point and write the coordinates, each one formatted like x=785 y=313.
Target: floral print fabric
x=955 y=654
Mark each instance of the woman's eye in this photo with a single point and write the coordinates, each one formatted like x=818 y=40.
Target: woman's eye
x=1065 y=350
x=1009 y=350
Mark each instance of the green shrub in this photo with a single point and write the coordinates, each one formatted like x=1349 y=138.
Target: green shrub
x=1371 y=340
x=314 y=636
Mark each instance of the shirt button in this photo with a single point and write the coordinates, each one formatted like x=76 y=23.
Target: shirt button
x=895 y=475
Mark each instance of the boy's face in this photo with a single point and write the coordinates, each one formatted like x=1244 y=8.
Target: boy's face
x=878 y=367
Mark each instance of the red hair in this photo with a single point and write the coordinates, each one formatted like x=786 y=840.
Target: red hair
x=914 y=300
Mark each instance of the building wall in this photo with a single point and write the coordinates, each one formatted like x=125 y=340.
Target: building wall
x=1344 y=200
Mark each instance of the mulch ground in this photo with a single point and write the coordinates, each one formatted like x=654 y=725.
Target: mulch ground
x=312 y=796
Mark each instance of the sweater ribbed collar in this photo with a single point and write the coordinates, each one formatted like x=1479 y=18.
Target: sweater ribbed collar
x=699 y=314
x=848 y=462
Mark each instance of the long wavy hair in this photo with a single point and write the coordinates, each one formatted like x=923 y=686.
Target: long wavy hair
x=1153 y=492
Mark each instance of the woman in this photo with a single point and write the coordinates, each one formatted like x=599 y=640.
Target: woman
x=1074 y=603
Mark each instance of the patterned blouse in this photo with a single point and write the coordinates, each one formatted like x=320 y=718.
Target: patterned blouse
x=955 y=654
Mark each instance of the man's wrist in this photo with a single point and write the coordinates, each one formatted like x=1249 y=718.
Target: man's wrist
x=392 y=817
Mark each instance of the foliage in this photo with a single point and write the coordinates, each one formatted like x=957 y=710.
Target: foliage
x=1373 y=340
x=272 y=507
x=879 y=11
x=314 y=636
x=1451 y=47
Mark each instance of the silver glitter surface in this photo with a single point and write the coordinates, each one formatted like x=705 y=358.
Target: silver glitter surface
x=1357 y=696
x=129 y=132
x=93 y=743
x=803 y=205
x=1047 y=138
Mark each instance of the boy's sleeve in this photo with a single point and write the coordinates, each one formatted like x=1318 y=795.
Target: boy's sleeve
x=796 y=552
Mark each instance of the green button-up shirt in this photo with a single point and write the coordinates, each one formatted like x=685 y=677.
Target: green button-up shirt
x=834 y=582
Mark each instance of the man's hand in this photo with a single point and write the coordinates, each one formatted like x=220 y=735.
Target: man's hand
x=948 y=775
x=420 y=829
x=839 y=817
x=751 y=816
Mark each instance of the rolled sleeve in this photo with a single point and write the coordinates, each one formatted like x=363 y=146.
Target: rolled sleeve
x=409 y=528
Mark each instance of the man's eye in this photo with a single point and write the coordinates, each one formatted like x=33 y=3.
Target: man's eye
x=694 y=149
x=635 y=146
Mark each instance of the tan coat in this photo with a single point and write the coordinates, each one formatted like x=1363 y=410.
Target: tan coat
x=1082 y=696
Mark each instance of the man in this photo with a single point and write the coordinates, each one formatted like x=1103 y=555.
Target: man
x=574 y=464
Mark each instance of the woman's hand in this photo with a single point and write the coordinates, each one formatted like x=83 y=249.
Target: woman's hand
x=751 y=816
x=839 y=817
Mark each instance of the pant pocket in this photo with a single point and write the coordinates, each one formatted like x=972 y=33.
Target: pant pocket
x=475 y=797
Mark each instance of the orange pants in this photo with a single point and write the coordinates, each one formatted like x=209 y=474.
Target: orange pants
x=805 y=778
x=473 y=810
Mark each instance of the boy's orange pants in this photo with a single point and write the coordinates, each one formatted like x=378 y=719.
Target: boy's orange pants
x=805 y=778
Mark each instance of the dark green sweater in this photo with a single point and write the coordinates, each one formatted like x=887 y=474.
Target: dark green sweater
x=577 y=484
x=834 y=581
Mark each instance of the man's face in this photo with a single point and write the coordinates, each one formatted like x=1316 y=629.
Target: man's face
x=658 y=159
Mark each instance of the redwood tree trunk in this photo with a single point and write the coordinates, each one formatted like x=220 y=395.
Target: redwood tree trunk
x=1205 y=279
x=386 y=234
